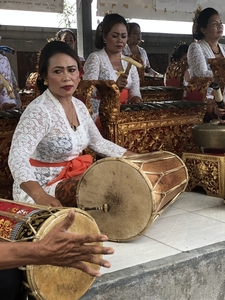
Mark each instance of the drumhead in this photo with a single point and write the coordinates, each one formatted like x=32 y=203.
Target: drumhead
x=56 y=283
x=125 y=189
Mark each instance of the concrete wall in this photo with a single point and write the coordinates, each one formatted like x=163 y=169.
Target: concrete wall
x=32 y=39
x=26 y=39
x=193 y=275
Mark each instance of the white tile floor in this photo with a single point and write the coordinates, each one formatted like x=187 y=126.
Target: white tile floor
x=194 y=220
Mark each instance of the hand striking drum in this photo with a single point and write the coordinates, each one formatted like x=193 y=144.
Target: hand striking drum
x=22 y=222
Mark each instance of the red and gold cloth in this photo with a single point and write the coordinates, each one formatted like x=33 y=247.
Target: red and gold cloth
x=7 y=223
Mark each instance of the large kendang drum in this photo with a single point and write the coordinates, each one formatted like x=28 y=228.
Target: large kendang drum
x=210 y=137
x=125 y=195
x=27 y=222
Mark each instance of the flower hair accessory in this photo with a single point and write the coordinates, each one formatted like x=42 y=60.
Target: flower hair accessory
x=195 y=20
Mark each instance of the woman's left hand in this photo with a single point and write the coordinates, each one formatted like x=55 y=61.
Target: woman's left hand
x=135 y=100
x=129 y=153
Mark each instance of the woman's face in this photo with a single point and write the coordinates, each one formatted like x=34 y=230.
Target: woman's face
x=116 y=39
x=214 y=28
x=68 y=38
x=135 y=36
x=63 y=76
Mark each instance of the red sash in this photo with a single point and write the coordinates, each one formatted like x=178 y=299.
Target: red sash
x=74 y=167
x=124 y=96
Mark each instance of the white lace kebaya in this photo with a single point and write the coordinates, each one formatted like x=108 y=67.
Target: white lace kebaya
x=198 y=55
x=99 y=67
x=44 y=133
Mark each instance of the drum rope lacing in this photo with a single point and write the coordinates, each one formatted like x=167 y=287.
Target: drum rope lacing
x=26 y=220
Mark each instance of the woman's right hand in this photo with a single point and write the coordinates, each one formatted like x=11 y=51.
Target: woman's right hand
x=60 y=247
x=38 y=194
x=122 y=81
x=48 y=200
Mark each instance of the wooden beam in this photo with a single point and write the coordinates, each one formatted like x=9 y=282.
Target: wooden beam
x=84 y=28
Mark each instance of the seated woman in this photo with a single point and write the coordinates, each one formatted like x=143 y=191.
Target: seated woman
x=55 y=128
x=68 y=36
x=132 y=47
x=107 y=63
x=177 y=73
x=207 y=31
x=180 y=53
x=9 y=96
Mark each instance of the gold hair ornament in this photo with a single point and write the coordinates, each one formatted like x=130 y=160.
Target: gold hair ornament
x=195 y=20
x=175 y=48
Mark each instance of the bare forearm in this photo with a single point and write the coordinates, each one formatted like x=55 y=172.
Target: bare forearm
x=14 y=255
x=59 y=248
x=33 y=189
x=38 y=194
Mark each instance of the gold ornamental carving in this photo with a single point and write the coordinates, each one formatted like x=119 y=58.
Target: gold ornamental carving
x=156 y=125
x=206 y=171
x=176 y=70
x=218 y=65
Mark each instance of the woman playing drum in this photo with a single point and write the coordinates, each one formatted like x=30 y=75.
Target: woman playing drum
x=53 y=131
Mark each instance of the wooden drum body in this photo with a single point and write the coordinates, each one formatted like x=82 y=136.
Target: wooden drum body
x=30 y=223
x=125 y=195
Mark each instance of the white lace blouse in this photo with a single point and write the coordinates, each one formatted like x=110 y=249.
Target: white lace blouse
x=7 y=72
x=99 y=67
x=44 y=133
x=198 y=55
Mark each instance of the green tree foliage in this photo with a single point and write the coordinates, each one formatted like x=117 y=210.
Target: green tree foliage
x=68 y=17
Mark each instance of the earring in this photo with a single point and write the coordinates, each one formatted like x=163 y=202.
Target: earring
x=46 y=82
x=104 y=41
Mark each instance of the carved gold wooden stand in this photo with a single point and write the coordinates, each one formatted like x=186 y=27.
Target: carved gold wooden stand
x=206 y=171
x=156 y=125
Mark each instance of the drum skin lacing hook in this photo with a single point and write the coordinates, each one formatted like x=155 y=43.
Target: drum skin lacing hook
x=105 y=208
x=29 y=223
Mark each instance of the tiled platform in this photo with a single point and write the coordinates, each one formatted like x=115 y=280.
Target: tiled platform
x=195 y=221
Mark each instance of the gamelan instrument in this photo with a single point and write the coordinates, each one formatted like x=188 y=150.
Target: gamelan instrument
x=27 y=222
x=125 y=195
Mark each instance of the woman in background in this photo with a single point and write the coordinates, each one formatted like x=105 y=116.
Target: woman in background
x=207 y=31
x=67 y=35
x=177 y=73
x=132 y=47
x=180 y=53
x=107 y=64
